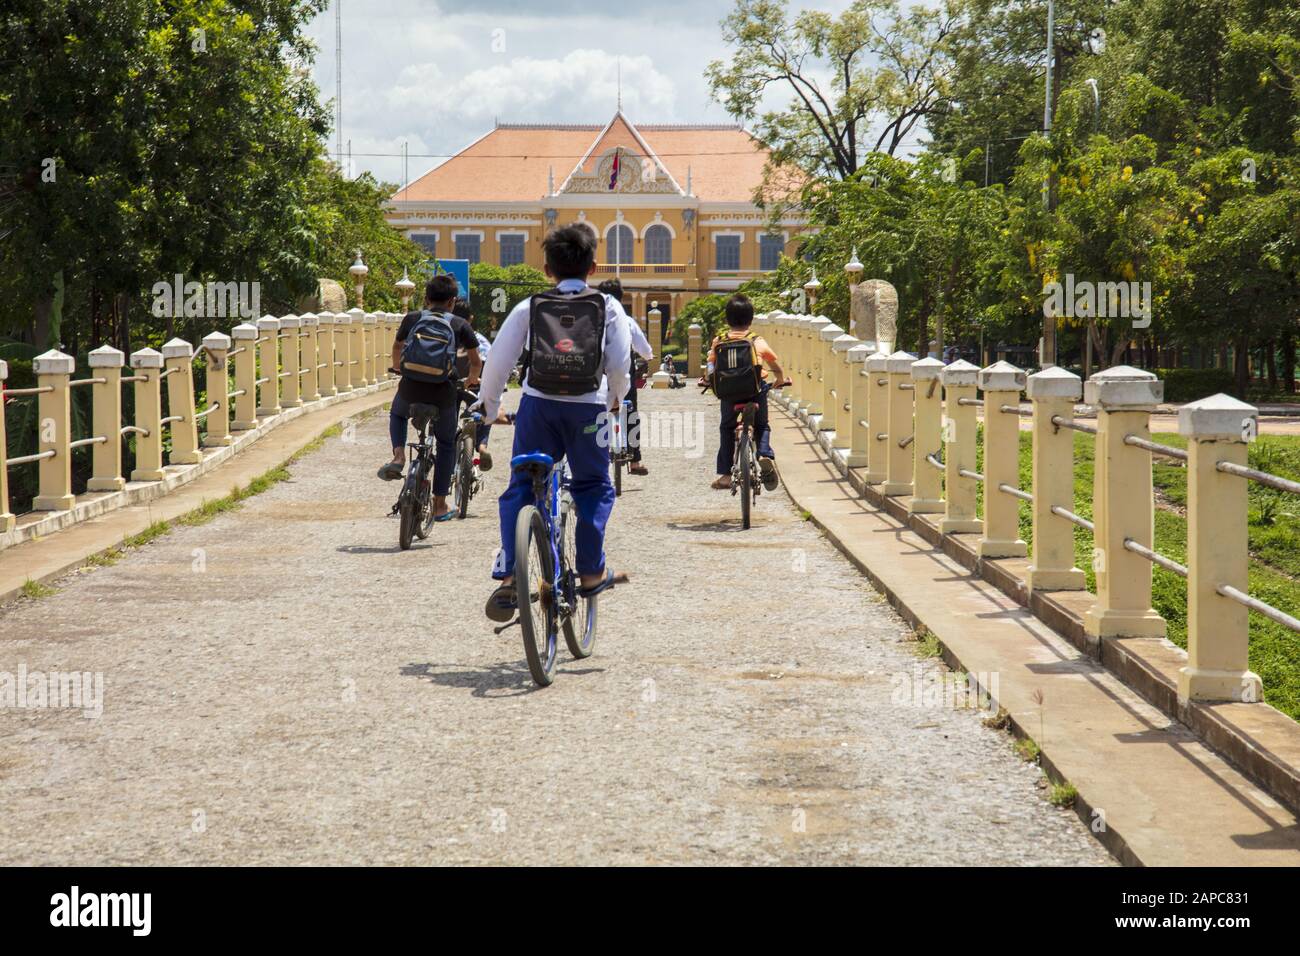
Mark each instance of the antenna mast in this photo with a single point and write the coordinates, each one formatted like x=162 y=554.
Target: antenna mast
x=338 y=79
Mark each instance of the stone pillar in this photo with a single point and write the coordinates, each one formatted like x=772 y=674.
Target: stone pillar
x=927 y=482
x=877 y=372
x=148 y=416
x=859 y=385
x=1001 y=383
x=1217 y=627
x=369 y=330
x=178 y=357
x=268 y=354
x=356 y=348
x=1053 y=392
x=6 y=516
x=654 y=332
x=827 y=365
x=310 y=374
x=1123 y=504
x=694 y=335
x=216 y=349
x=845 y=371
x=342 y=352
x=106 y=401
x=794 y=367
x=325 y=355
x=898 y=460
x=245 y=339
x=960 y=428
x=815 y=396
x=54 y=430
x=290 y=342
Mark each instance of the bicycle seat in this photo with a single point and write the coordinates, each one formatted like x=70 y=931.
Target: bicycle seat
x=422 y=414
x=534 y=462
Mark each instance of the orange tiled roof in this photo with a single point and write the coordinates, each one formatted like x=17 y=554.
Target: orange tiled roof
x=510 y=164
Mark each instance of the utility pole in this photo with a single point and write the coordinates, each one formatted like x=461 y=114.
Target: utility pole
x=1048 y=356
x=338 y=80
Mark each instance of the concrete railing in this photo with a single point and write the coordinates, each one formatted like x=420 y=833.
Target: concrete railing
x=911 y=428
x=279 y=364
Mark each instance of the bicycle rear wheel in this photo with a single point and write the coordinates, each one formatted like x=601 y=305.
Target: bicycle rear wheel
x=463 y=487
x=618 y=477
x=580 y=626
x=534 y=574
x=409 y=507
x=424 y=503
x=745 y=454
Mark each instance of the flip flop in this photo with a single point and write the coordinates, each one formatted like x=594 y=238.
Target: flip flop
x=604 y=585
x=501 y=604
x=391 y=471
x=448 y=516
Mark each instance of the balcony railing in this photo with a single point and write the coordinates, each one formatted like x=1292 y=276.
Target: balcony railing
x=643 y=268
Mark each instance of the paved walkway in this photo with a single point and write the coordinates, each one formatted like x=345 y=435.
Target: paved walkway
x=282 y=685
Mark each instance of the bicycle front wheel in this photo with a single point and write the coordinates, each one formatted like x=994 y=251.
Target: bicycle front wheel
x=534 y=583
x=746 y=455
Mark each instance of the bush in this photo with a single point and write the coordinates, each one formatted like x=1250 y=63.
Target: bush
x=1190 y=384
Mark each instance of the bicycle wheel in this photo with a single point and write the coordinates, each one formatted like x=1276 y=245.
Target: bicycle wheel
x=424 y=502
x=745 y=454
x=533 y=582
x=463 y=480
x=580 y=626
x=618 y=477
x=409 y=509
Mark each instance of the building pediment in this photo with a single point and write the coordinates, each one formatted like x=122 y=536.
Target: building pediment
x=622 y=171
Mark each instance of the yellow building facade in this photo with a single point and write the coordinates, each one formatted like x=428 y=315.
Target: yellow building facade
x=671 y=206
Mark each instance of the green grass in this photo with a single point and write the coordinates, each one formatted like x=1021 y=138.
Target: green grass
x=1062 y=795
x=1274 y=536
x=1027 y=750
x=34 y=589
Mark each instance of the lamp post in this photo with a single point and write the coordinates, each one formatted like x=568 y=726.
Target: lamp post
x=813 y=286
x=404 y=288
x=358 y=270
x=853 y=269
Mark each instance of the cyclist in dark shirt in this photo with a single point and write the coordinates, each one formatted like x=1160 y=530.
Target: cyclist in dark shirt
x=439 y=296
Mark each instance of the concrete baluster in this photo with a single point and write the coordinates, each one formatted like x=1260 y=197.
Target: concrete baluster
x=147 y=365
x=268 y=373
x=818 y=347
x=1217 y=530
x=877 y=372
x=827 y=366
x=927 y=481
x=369 y=327
x=290 y=344
x=309 y=373
x=216 y=357
x=694 y=344
x=844 y=370
x=54 y=430
x=898 y=458
x=342 y=352
x=6 y=516
x=654 y=332
x=106 y=403
x=356 y=348
x=178 y=358
x=245 y=357
x=1053 y=392
x=960 y=428
x=325 y=367
x=1123 y=504
x=1001 y=383
x=859 y=386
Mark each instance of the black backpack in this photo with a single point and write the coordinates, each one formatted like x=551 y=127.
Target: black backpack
x=566 y=342
x=429 y=354
x=737 y=373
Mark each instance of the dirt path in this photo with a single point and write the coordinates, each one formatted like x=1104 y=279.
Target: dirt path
x=282 y=685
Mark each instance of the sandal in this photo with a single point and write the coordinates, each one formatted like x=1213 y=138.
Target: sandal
x=501 y=603
x=609 y=581
x=391 y=471
x=721 y=483
x=767 y=469
x=448 y=516
x=484 y=460
x=638 y=469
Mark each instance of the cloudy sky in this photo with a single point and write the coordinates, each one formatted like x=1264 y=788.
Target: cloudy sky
x=438 y=73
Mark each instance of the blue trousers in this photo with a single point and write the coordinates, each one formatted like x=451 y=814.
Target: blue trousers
x=570 y=430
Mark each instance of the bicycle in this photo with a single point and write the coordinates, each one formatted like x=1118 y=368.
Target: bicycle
x=466 y=478
x=746 y=479
x=546 y=582
x=620 y=448
x=415 y=501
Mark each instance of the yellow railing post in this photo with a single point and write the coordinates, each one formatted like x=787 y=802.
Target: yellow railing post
x=877 y=372
x=859 y=386
x=1053 y=393
x=310 y=374
x=6 y=516
x=843 y=369
x=817 y=349
x=216 y=359
x=694 y=334
x=654 y=332
x=798 y=386
x=1123 y=505
x=960 y=429
x=325 y=345
x=245 y=340
x=369 y=325
x=268 y=372
x=356 y=348
x=147 y=365
x=1217 y=429
x=106 y=403
x=827 y=366
x=927 y=481
x=898 y=458
x=54 y=430
x=1001 y=383
x=178 y=358
x=290 y=349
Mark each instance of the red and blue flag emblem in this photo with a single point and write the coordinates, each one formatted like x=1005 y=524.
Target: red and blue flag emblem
x=613 y=174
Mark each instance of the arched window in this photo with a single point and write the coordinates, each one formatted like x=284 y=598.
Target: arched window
x=658 y=245
x=619 y=239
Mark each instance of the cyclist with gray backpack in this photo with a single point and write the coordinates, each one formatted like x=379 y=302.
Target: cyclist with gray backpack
x=576 y=349
x=425 y=354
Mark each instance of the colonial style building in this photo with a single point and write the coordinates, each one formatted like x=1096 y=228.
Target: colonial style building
x=671 y=206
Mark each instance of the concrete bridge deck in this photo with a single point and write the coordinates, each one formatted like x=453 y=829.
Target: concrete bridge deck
x=282 y=685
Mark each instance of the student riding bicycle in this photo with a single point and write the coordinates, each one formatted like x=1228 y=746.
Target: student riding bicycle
x=484 y=429
x=738 y=376
x=641 y=355
x=576 y=346
x=425 y=353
